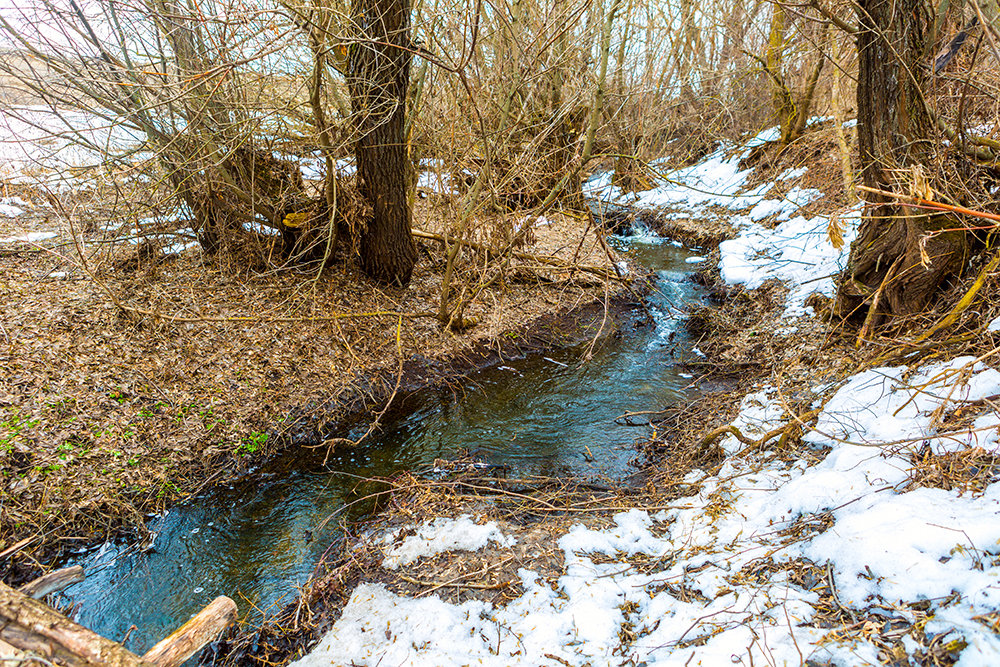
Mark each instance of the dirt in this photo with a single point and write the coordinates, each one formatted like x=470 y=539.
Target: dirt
x=136 y=377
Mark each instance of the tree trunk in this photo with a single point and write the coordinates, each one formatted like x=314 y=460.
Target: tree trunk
x=380 y=72
x=895 y=268
x=781 y=95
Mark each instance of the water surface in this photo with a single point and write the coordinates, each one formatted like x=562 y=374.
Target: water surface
x=258 y=539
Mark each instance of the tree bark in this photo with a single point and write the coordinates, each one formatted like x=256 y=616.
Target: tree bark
x=895 y=267
x=378 y=81
x=191 y=637
x=31 y=626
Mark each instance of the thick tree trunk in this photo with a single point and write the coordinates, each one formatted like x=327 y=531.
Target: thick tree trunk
x=380 y=73
x=895 y=268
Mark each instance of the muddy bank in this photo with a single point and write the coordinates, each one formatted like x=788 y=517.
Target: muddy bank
x=377 y=392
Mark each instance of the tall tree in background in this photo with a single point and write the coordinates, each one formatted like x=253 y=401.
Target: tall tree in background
x=901 y=257
x=379 y=74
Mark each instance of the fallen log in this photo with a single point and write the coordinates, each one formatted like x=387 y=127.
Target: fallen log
x=30 y=626
x=193 y=635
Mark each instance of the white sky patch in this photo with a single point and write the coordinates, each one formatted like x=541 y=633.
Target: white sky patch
x=441 y=535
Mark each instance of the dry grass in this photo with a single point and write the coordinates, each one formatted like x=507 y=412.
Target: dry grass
x=167 y=372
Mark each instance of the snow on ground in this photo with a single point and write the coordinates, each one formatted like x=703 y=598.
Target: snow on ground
x=840 y=557
x=713 y=582
x=798 y=252
x=438 y=536
x=12 y=207
x=30 y=237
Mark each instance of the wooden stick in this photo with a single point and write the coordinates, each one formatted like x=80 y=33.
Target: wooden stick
x=52 y=582
x=17 y=547
x=193 y=635
x=29 y=625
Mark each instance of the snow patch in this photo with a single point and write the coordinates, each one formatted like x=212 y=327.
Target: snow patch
x=439 y=536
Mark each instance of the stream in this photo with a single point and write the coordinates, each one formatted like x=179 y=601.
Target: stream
x=256 y=540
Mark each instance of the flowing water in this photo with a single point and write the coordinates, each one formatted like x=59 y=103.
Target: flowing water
x=542 y=415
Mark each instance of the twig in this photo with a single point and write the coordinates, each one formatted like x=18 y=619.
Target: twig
x=750 y=443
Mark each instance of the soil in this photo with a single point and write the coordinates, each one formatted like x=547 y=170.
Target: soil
x=134 y=376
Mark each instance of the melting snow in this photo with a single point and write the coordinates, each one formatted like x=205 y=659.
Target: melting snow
x=715 y=584
x=440 y=535
x=798 y=252
x=30 y=237
x=695 y=601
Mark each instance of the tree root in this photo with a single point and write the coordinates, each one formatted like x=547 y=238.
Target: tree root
x=963 y=303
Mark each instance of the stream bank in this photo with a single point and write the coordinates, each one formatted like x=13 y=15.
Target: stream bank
x=109 y=417
x=552 y=415
x=839 y=509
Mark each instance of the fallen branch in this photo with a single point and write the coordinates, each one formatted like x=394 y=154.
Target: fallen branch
x=784 y=431
x=32 y=627
x=29 y=625
x=963 y=304
x=187 y=640
x=52 y=582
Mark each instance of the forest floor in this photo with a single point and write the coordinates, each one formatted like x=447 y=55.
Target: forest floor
x=839 y=507
x=136 y=373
